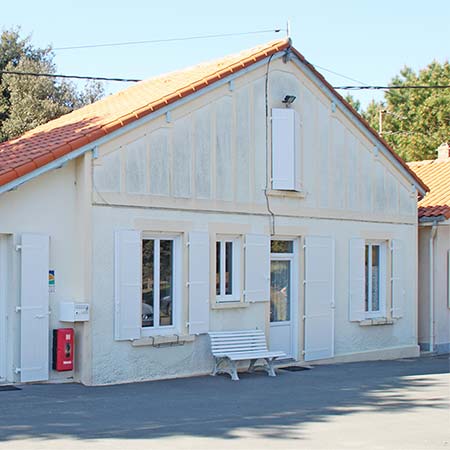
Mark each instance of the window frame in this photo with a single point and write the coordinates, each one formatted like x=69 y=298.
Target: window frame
x=176 y=288
x=383 y=285
x=236 y=284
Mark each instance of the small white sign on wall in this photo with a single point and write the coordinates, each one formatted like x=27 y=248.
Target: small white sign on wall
x=51 y=281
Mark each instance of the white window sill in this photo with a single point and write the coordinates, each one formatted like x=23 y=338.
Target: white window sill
x=160 y=341
x=290 y=194
x=376 y=321
x=229 y=305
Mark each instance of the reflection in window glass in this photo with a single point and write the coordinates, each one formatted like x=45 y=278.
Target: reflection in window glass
x=281 y=246
x=165 y=283
x=148 y=246
x=228 y=268
x=280 y=291
x=218 y=268
x=375 y=277
x=372 y=274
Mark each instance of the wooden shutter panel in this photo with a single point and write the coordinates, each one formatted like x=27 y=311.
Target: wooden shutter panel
x=257 y=268
x=128 y=285
x=319 y=297
x=283 y=149
x=397 y=279
x=199 y=275
x=357 y=279
x=34 y=299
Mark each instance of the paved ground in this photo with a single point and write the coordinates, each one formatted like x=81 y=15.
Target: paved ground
x=402 y=404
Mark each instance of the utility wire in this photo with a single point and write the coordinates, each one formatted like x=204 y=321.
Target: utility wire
x=136 y=80
x=77 y=77
x=392 y=87
x=339 y=74
x=156 y=41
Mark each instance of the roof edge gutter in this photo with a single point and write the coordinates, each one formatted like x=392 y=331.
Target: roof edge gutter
x=432 y=219
x=56 y=164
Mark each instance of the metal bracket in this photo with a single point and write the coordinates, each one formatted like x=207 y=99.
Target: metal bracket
x=17 y=370
x=18 y=247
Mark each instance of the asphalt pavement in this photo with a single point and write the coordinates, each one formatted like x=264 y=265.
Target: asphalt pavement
x=402 y=404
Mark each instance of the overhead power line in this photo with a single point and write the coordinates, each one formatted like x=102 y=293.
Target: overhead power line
x=392 y=87
x=76 y=77
x=136 y=80
x=157 y=41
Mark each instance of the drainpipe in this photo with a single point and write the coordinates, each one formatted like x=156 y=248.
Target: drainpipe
x=431 y=243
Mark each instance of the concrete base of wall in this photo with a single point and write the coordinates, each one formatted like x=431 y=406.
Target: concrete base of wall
x=439 y=349
x=373 y=355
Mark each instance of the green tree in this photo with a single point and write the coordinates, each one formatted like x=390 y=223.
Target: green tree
x=29 y=101
x=415 y=121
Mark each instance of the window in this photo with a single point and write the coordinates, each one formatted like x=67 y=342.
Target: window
x=228 y=269
x=158 y=283
x=375 y=279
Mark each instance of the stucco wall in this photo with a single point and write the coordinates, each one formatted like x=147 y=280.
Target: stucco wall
x=115 y=361
x=49 y=205
x=441 y=307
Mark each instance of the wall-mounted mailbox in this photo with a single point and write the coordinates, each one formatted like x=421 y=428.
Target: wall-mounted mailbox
x=73 y=312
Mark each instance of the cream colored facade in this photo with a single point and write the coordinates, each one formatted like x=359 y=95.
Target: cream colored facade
x=434 y=325
x=203 y=165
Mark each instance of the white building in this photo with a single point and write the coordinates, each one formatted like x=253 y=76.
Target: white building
x=434 y=253
x=207 y=200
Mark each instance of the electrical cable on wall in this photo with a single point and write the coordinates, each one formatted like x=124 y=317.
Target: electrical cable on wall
x=266 y=96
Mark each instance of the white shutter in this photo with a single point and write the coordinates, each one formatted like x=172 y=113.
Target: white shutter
x=128 y=285
x=34 y=299
x=257 y=268
x=319 y=297
x=283 y=149
x=199 y=275
x=357 y=280
x=397 y=279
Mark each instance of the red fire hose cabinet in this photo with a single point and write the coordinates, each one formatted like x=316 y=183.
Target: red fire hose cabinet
x=63 y=349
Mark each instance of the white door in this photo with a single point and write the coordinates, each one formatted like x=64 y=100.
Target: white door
x=34 y=312
x=283 y=288
x=319 y=297
x=3 y=334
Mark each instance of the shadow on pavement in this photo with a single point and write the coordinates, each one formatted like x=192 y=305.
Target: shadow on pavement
x=216 y=406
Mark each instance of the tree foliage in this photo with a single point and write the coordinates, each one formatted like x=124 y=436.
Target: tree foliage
x=29 y=101
x=415 y=121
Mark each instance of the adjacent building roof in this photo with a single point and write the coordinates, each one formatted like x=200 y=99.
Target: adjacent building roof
x=57 y=138
x=436 y=174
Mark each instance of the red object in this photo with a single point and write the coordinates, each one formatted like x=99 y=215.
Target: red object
x=63 y=346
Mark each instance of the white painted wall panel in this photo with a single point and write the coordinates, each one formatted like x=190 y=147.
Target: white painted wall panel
x=182 y=157
x=159 y=163
x=224 y=156
x=243 y=149
x=107 y=171
x=136 y=166
x=202 y=144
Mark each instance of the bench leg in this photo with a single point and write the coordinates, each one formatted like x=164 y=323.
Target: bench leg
x=233 y=371
x=269 y=367
x=251 y=367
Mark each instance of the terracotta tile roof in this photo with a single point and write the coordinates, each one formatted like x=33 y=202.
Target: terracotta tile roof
x=436 y=174
x=59 y=137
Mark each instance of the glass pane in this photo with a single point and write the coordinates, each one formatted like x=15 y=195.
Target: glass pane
x=280 y=291
x=375 y=277
x=217 y=268
x=281 y=246
x=147 y=282
x=166 y=283
x=366 y=304
x=228 y=268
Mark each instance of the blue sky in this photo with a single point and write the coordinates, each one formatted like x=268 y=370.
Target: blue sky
x=366 y=40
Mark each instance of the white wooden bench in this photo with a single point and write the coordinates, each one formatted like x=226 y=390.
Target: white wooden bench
x=229 y=347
